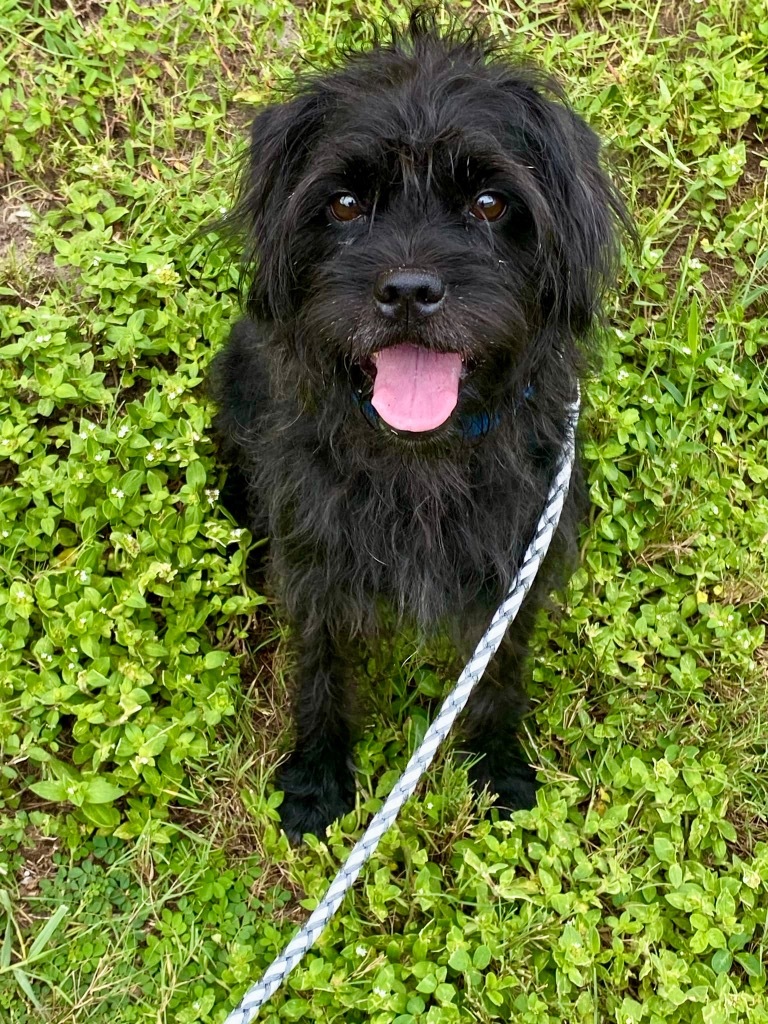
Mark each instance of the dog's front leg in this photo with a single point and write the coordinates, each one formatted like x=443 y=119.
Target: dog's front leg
x=317 y=778
x=493 y=714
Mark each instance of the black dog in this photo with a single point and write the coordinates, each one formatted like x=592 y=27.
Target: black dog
x=429 y=233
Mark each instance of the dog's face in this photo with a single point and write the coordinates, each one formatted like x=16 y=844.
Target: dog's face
x=428 y=222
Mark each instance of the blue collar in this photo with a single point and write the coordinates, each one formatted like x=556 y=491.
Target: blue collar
x=471 y=425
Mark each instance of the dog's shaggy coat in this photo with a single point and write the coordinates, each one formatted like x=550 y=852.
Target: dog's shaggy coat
x=387 y=169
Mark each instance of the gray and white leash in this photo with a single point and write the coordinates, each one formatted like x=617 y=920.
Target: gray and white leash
x=305 y=938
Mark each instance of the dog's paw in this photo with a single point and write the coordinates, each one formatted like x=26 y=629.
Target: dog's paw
x=514 y=785
x=314 y=796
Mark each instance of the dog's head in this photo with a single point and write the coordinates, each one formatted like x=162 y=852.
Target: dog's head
x=427 y=224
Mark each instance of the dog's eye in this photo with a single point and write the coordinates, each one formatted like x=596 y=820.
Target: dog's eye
x=345 y=207
x=488 y=206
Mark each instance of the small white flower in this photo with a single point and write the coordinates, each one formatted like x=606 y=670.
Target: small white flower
x=236 y=534
x=80 y=475
x=41 y=338
x=673 y=466
x=102 y=610
x=622 y=375
x=377 y=991
x=100 y=456
x=150 y=457
x=123 y=430
x=73 y=650
x=715 y=407
x=117 y=493
x=361 y=950
x=715 y=510
x=730 y=618
x=71 y=665
x=195 y=436
x=83 y=577
x=649 y=399
x=157 y=445
x=686 y=350
x=6 y=533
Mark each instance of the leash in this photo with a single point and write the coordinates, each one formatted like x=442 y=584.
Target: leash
x=306 y=937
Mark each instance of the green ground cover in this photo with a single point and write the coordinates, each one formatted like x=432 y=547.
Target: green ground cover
x=143 y=875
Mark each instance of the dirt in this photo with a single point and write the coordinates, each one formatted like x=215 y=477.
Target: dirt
x=23 y=268
x=38 y=855
x=678 y=19
x=16 y=221
x=720 y=278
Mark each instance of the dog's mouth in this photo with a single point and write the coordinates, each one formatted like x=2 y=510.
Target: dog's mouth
x=413 y=389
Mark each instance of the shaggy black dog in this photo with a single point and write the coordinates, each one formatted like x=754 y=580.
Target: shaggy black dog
x=428 y=236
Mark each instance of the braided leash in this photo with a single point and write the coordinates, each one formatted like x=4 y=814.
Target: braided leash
x=305 y=938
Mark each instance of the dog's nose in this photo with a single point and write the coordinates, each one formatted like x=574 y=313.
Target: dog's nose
x=407 y=292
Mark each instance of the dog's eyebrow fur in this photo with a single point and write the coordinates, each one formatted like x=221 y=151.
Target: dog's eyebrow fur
x=469 y=160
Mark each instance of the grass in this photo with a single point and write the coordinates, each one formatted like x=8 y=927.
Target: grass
x=143 y=875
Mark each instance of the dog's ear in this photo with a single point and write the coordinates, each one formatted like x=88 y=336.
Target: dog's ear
x=281 y=141
x=589 y=215
x=579 y=242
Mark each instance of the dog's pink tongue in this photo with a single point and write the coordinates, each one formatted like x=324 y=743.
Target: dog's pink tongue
x=415 y=389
